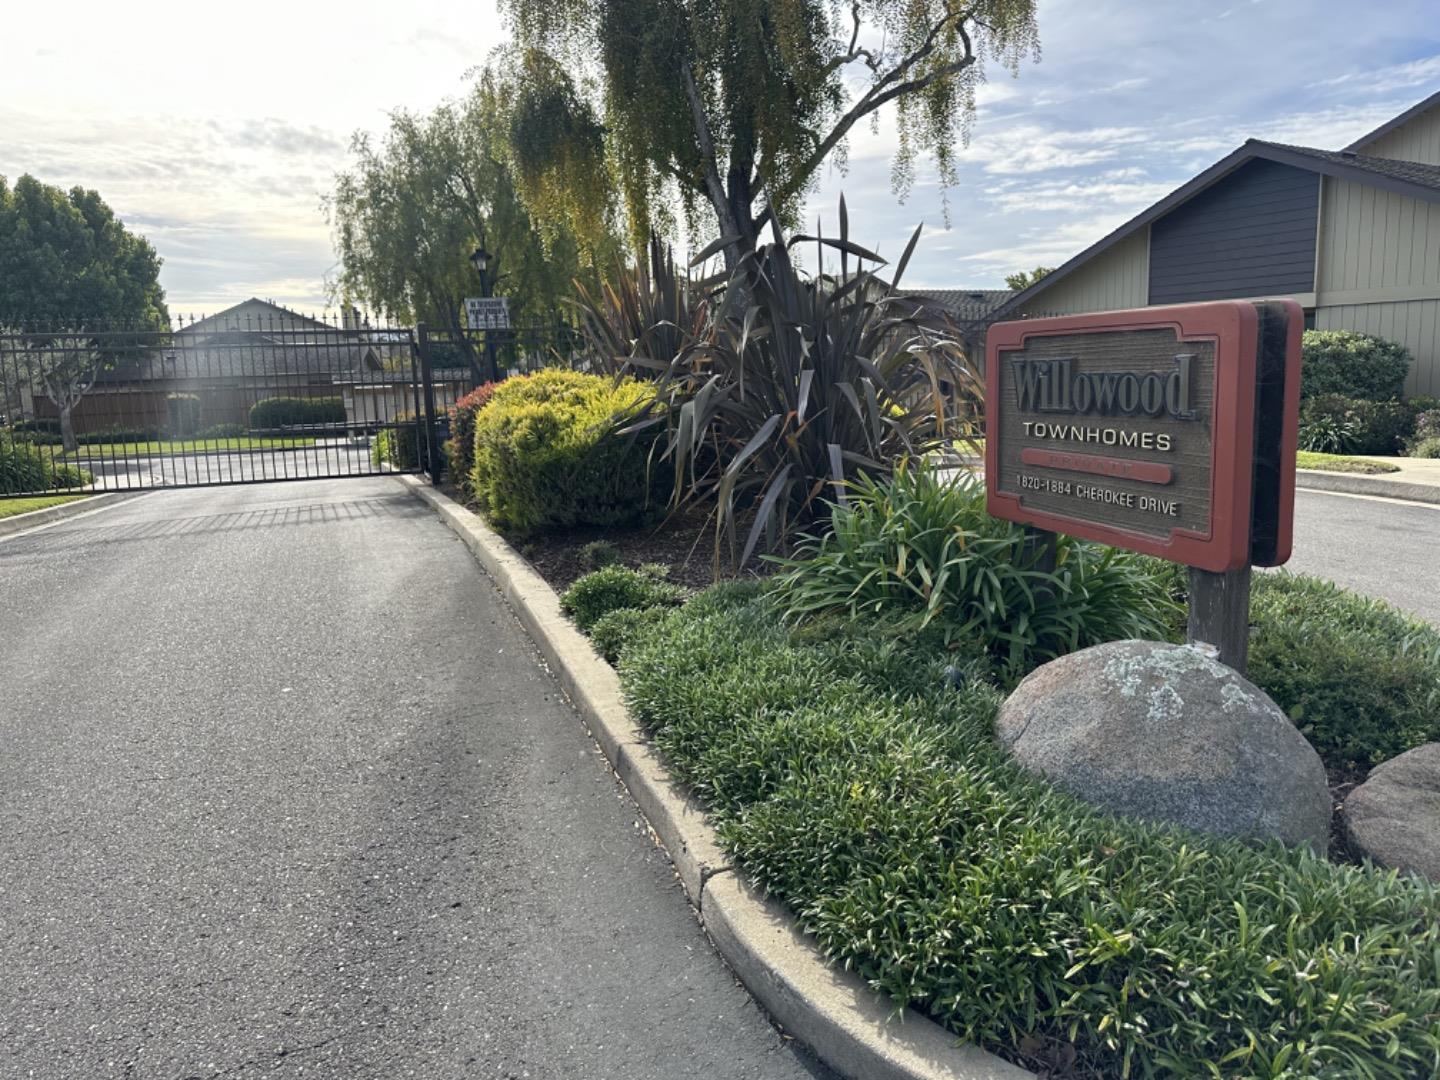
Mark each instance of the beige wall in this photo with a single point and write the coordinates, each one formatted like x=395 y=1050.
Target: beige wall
x=1379 y=272
x=1118 y=278
x=1416 y=140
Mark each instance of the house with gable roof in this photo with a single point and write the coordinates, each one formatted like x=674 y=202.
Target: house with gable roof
x=1353 y=235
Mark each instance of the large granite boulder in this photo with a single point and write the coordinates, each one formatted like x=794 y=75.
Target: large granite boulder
x=1393 y=818
x=1166 y=733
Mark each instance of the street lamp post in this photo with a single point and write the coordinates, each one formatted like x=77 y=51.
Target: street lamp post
x=480 y=259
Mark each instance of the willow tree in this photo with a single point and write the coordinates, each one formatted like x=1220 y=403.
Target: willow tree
x=734 y=105
x=415 y=204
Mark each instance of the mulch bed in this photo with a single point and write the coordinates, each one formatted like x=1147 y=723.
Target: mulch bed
x=684 y=542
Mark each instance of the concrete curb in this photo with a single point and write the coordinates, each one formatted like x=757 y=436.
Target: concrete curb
x=848 y=1026
x=51 y=514
x=1360 y=484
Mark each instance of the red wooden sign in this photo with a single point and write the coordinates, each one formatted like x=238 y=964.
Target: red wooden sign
x=1167 y=430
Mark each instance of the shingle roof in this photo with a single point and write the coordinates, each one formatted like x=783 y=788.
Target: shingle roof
x=1409 y=172
x=966 y=305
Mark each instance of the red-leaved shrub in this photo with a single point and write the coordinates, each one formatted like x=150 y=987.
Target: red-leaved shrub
x=460 y=447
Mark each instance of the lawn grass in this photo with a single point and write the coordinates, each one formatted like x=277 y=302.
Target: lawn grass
x=1305 y=459
x=11 y=507
x=188 y=446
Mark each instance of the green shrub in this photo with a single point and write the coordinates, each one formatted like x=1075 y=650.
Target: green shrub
x=921 y=546
x=222 y=431
x=598 y=554
x=1352 y=365
x=549 y=451
x=121 y=435
x=1325 y=434
x=280 y=412
x=64 y=476
x=27 y=469
x=398 y=445
x=1366 y=427
x=459 y=448
x=182 y=415
x=1427 y=423
x=24 y=469
x=1426 y=448
x=616 y=587
x=612 y=633
x=1360 y=679
x=852 y=783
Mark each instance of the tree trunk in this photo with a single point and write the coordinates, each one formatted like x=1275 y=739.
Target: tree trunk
x=67 y=429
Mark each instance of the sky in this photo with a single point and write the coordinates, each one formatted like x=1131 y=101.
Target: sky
x=216 y=134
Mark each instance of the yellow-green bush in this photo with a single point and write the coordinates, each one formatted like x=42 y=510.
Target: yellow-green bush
x=549 y=452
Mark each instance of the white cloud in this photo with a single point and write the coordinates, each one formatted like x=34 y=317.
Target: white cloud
x=1385 y=80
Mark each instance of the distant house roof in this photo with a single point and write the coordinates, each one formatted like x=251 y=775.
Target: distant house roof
x=1403 y=177
x=966 y=305
x=254 y=314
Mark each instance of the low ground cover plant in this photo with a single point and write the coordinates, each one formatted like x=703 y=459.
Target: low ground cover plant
x=1305 y=459
x=919 y=547
x=614 y=588
x=855 y=782
x=1360 y=679
x=1353 y=365
x=613 y=632
x=550 y=452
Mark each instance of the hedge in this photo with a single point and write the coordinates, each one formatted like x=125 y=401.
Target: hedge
x=850 y=780
x=277 y=412
x=549 y=451
x=1352 y=365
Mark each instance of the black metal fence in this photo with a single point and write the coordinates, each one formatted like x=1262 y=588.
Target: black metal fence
x=244 y=397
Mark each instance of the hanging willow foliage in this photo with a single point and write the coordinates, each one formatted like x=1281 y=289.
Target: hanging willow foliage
x=733 y=105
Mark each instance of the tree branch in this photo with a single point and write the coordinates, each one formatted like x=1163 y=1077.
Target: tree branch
x=893 y=84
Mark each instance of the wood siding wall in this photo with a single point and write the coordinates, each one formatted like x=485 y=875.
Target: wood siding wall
x=1113 y=280
x=1380 y=272
x=1416 y=140
x=1251 y=234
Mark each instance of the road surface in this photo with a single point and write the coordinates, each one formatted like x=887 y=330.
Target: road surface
x=285 y=792
x=1381 y=547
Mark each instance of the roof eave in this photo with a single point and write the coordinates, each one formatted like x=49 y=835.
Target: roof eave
x=1252 y=149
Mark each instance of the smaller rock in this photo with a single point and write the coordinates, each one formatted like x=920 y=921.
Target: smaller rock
x=1393 y=818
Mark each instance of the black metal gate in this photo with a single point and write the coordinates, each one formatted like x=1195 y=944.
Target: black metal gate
x=256 y=394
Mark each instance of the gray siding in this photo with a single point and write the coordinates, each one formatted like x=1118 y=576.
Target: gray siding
x=1114 y=280
x=1251 y=234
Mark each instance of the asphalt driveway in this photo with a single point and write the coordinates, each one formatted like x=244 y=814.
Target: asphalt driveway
x=284 y=791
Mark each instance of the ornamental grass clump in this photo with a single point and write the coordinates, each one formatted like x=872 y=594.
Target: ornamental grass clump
x=919 y=546
x=852 y=781
x=550 y=452
x=794 y=384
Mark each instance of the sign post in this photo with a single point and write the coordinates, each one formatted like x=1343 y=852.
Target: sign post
x=1169 y=431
